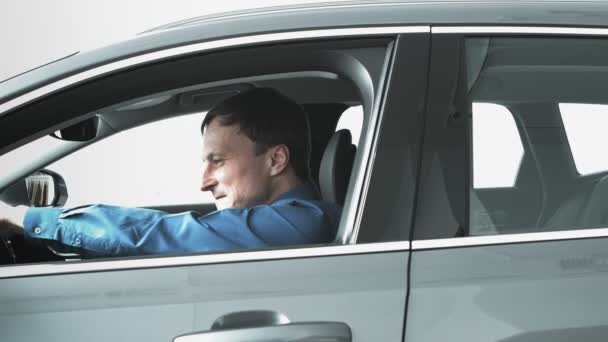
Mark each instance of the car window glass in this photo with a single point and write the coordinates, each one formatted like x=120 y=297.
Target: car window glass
x=154 y=164
x=586 y=126
x=497 y=147
x=537 y=133
x=352 y=120
x=158 y=166
x=13 y=162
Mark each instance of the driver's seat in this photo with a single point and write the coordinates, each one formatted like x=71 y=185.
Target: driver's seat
x=336 y=166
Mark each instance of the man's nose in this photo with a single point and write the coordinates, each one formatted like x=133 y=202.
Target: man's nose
x=208 y=181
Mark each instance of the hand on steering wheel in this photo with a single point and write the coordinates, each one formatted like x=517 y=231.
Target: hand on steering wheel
x=10 y=230
x=11 y=220
x=15 y=248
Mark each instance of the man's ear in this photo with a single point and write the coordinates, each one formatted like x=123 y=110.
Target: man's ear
x=278 y=159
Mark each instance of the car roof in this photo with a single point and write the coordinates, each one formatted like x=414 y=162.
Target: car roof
x=316 y=16
x=569 y=7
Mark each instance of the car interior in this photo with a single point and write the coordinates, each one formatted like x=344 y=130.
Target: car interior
x=531 y=78
x=323 y=95
x=325 y=78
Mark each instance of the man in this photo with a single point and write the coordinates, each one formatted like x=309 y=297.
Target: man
x=256 y=151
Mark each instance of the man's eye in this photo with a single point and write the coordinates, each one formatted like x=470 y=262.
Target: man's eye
x=217 y=162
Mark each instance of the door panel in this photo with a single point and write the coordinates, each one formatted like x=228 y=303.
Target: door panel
x=473 y=279
x=365 y=291
x=546 y=291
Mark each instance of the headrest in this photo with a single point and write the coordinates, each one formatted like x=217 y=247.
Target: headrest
x=336 y=166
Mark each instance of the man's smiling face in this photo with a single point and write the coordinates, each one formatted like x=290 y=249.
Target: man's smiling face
x=232 y=172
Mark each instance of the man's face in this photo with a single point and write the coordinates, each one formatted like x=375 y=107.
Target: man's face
x=232 y=172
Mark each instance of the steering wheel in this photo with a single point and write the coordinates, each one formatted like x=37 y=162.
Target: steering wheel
x=17 y=249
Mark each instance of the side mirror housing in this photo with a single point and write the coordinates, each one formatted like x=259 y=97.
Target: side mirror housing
x=45 y=188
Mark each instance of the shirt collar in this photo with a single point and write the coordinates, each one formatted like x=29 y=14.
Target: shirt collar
x=305 y=191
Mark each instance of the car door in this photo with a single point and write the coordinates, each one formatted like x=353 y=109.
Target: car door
x=354 y=289
x=479 y=276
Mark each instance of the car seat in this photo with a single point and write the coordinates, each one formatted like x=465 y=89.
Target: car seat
x=336 y=167
x=584 y=208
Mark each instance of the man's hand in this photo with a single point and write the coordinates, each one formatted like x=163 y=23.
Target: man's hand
x=11 y=220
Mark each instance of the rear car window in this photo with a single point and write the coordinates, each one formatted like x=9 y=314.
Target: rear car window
x=497 y=147
x=538 y=133
x=586 y=126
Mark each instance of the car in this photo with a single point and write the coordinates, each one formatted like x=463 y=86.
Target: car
x=474 y=208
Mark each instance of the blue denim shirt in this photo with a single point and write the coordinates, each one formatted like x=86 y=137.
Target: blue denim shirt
x=296 y=217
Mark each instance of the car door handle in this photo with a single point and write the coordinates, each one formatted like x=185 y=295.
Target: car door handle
x=254 y=326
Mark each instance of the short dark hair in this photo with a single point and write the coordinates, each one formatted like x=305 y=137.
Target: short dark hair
x=268 y=118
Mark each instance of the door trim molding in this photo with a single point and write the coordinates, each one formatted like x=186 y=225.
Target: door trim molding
x=68 y=267
x=471 y=241
x=540 y=30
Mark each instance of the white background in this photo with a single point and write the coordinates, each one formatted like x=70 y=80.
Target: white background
x=34 y=32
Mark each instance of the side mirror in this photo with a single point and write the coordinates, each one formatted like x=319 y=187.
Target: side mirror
x=43 y=189
x=46 y=188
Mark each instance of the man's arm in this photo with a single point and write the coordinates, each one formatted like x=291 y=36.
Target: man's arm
x=118 y=231
x=115 y=231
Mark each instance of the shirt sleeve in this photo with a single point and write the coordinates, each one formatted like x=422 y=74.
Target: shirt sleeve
x=120 y=231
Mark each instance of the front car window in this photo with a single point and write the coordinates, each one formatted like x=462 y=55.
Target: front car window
x=148 y=156
x=159 y=163
x=352 y=120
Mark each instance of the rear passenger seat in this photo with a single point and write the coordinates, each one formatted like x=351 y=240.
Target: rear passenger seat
x=480 y=222
x=587 y=207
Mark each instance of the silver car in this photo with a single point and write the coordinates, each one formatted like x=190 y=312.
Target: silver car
x=475 y=208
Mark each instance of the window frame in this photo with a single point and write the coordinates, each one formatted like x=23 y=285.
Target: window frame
x=389 y=207
x=28 y=103
x=451 y=35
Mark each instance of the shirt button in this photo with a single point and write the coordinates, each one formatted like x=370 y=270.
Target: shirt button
x=77 y=241
x=37 y=230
